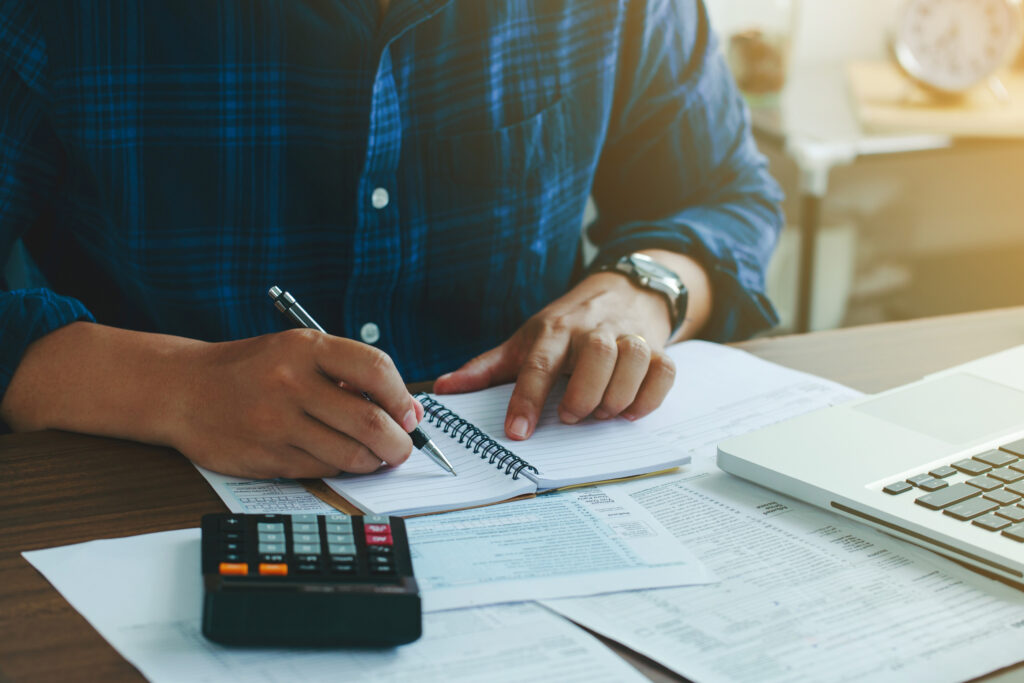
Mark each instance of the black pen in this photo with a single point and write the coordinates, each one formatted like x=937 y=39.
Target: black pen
x=287 y=304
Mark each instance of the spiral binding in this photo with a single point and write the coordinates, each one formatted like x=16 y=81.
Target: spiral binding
x=472 y=437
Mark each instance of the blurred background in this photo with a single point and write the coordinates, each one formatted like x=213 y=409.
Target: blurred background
x=911 y=200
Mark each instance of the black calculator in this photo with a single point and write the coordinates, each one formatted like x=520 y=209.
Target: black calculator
x=308 y=580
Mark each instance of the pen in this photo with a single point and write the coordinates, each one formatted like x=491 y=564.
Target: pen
x=287 y=304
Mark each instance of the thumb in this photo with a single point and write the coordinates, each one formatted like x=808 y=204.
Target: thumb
x=496 y=366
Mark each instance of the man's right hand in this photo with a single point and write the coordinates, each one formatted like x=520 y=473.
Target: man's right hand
x=268 y=406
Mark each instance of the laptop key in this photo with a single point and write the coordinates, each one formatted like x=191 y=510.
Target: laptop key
x=957 y=493
x=1016 y=532
x=1014 y=514
x=985 y=483
x=1017 y=488
x=899 y=487
x=969 y=509
x=1002 y=497
x=943 y=472
x=1017 y=448
x=933 y=485
x=1006 y=475
x=991 y=522
x=918 y=478
x=969 y=466
x=996 y=458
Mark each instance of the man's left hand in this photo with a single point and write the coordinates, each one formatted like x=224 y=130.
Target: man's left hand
x=607 y=334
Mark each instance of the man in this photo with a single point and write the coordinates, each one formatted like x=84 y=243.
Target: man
x=414 y=171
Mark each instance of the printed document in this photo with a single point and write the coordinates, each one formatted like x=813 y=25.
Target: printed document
x=111 y=583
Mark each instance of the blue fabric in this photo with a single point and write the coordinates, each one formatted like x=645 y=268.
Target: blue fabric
x=166 y=162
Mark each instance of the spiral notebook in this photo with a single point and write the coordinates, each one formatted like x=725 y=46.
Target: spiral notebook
x=470 y=429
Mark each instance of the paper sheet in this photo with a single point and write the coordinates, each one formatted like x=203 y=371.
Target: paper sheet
x=806 y=595
x=111 y=583
x=266 y=496
x=576 y=542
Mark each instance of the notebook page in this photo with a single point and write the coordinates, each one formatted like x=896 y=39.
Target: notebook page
x=590 y=451
x=419 y=485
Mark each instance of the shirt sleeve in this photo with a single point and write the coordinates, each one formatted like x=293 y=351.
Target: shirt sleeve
x=680 y=170
x=28 y=174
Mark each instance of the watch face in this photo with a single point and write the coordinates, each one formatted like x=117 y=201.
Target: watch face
x=952 y=45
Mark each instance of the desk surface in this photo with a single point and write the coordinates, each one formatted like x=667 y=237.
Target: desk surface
x=58 y=488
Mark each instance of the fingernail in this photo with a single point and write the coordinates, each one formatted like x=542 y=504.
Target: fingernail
x=600 y=414
x=567 y=417
x=629 y=416
x=444 y=376
x=519 y=427
x=409 y=421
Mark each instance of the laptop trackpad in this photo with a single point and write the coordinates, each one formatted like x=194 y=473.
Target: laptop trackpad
x=957 y=409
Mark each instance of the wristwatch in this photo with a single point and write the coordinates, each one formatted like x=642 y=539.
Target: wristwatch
x=647 y=273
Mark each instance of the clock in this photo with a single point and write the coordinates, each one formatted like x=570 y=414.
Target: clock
x=950 y=46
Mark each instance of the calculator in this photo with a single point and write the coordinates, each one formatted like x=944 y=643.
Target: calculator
x=308 y=580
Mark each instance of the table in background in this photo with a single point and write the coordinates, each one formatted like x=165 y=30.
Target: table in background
x=58 y=488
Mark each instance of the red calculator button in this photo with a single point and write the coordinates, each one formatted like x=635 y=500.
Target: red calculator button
x=378 y=539
x=378 y=529
x=267 y=569
x=234 y=568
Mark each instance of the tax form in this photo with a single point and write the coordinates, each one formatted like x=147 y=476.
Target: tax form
x=805 y=595
x=144 y=593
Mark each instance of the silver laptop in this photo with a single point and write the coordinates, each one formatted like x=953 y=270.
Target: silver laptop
x=939 y=462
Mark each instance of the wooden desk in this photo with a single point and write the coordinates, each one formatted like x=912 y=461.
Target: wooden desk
x=58 y=488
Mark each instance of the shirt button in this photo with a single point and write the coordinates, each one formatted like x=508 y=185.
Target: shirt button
x=369 y=333
x=379 y=198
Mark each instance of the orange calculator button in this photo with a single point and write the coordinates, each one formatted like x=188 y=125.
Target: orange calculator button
x=273 y=569
x=234 y=568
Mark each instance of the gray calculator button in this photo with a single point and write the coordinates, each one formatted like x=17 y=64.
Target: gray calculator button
x=271 y=548
x=1014 y=514
x=342 y=548
x=270 y=527
x=995 y=458
x=985 y=483
x=1016 y=532
x=897 y=488
x=304 y=529
x=340 y=523
x=933 y=485
x=991 y=522
x=1002 y=497
x=271 y=538
x=948 y=496
x=303 y=519
x=1006 y=475
x=942 y=472
x=969 y=509
x=306 y=548
x=305 y=538
x=341 y=538
x=971 y=466
x=376 y=519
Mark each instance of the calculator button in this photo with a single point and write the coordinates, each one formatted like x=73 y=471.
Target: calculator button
x=267 y=569
x=233 y=547
x=341 y=520
x=942 y=472
x=271 y=538
x=996 y=458
x=342 y=548
x=272 y=558
x=306 y=548
x=230 y=523
x=376 y=519
x=971 y=466
x=379 y=539
x=234 y=569
x=304 y=528
x=307 y=568
x=378 y=528
x=376 y=559
x=305 y=538
x=303 y=519
x=381 y=550
x=271 y=548
x=270 y=527
x=341 y=538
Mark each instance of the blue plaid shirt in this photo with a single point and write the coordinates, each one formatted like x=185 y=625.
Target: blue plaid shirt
x=166 y=162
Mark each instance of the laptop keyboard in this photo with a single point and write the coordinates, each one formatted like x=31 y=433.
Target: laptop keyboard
x=986 y=490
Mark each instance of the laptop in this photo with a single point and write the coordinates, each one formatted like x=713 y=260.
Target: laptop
x=939 y=462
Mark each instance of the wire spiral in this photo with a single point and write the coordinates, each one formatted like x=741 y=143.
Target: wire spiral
x=472 y=437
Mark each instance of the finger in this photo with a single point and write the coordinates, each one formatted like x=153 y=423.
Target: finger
x=351 y=415
x=533 y=384
x=655 y=387
x=631 y=367
x=495 y=366
x=284 y=461
x=338 y=451
x=596 y=353
x=367 y=369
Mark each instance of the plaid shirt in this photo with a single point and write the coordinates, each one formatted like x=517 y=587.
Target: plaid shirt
x=166 y=162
